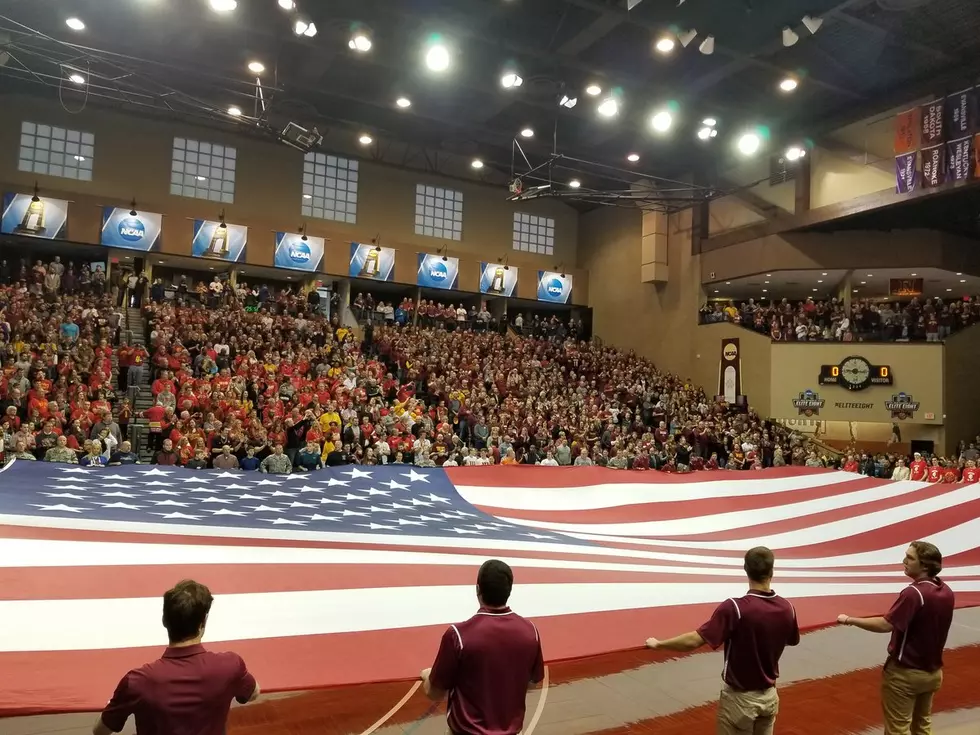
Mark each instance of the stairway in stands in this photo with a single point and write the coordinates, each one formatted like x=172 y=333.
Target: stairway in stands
x=136 y=331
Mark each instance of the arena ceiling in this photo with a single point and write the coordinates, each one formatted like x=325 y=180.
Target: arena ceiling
x=187 y=60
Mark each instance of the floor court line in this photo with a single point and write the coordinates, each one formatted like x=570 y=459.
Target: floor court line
x=540 y=708
x=391 y=713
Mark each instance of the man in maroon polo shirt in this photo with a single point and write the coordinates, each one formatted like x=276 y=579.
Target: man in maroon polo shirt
x=488 y=663
x=754 y=628
x=188 y=691
x=918 y=623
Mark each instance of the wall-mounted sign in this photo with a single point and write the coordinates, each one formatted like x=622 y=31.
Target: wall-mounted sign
x=371 y=261
x=730 y=371
x=855 y=373
x=554 y=287
x=438 y=271
x=905 y=286
x=34 y=216
x=808 y=403
x=497 y=279
x=219 y=241
x=127 y=228
x=298 y=252
x=902 y=406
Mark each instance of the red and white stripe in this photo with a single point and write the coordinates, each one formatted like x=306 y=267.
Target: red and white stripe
x=81 y=602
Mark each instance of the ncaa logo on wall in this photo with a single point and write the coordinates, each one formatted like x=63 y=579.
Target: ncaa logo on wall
x=555 y=287
x=730 y=352
x=299 y=252
x=809 y=403
x=902 y=406
x=438 y=272
x=132 y=229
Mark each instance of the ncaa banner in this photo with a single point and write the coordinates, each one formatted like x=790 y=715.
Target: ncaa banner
x=554 y=287
x=34 y=216
x=219 y=241
x=438 y=271
x=961 y=114
x=497 y=279
x=931 y=118
x=959 y=159
x=371 y=261
x=933 y=166
x=907 y=131
x=127 y=228
x=298 y=252
x=906 y=172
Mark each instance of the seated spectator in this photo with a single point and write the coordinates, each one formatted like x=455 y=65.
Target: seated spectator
x=166 y=454
x=124 y=455
x=308 y=458
x=61 y=452
x=225 y=460
x=94 y=456
x=249 y=463
x=276 y=463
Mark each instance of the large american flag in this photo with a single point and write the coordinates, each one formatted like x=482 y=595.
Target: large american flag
x=350 y=575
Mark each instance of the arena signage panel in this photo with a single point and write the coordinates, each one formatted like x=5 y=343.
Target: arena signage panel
x=371 y=261
x=298 y=251
x=554 y=287
x=127 y=228
x=219 y=241
x=497 y=279
x=438 y=271
x=34 y=216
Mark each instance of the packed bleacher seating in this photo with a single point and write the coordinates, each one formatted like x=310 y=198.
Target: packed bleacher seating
x=257 y=380
x=915 y=320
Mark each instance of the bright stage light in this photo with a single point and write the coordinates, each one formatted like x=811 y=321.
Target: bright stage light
x=593 y=90
x=633 y=157
x=477 y=163
x=795 y=153
x=235 y=111
x=403 y=102
x=575 y=183
x=608 y=107
x=224 y=6
x=527 y=133
x=365 y=139
x=511 y=79
x=665 y=45
x=749 y=143
x=662 y=121
x=75 y=24
x=788 y=84
x=437 y=58
x=360 y=42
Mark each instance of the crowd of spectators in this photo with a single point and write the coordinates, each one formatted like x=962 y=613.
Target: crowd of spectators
x=916 y=320
x=280 y=388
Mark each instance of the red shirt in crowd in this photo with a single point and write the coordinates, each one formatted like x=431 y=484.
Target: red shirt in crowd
x=920 y=620
x=918 y=470
x=971 y=474
x=754 y=628
x=486 y=664
x=935 y=473
x=188 y=691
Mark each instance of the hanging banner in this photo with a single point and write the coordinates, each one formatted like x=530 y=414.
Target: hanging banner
x=907 y=131
x=371 y=261
x=933 y=169
x=34 y=216
x=976 y=156
x=127 y=228
x=497 y=279
x=438 y=271
x=219 y=241
x=906 y=173
x=932 y=123
x=959 y=159
x=298 y=252
x=961 y=114
x=554 y=287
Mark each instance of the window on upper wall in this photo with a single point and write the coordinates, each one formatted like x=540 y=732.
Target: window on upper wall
x=438 y=212
x=533 y=234
x=203 y=170
x=47 y=149
x=330 y=187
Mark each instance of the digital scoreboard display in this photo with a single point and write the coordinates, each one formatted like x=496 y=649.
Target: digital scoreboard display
x=855 y=373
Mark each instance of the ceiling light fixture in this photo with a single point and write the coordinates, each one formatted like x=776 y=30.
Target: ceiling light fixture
x=403 y=102
x=365 y=139
x=913 y=274
x=662 y=121
x=200 y=178
x=223 y=6
x=789 y=37
x=609 y=107
x=705 y=133
x=235 y=111
x=665 y=45
x=812 y=23
x=477 y=163
x=511 y=80
x=795 y=153
x=593 y=90
x=75 y=24
x=304 y=27
x=76 y=78
x=788 y=84
x=437 y=58
x=685 y=37
x=575 y=183
x=360 y=42
x=527 y=133
x=568 y=102
x=287 y=4
x=633 y=157
x=707 y=46
x=749 y=144
x=709 y=121
x=256 y=67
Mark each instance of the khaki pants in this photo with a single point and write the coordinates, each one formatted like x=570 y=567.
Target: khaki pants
x=906 y=699
x=747 y=713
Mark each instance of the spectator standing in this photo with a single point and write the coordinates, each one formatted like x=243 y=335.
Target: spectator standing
x=277 y=463
x=487 y=664
x=188 y=689
x=918 y=623
x=225 y=460
x=754 y=629
x=166 y=455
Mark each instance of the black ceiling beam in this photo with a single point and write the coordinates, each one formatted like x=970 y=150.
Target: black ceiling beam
x=598 y=29
x=897 y=40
